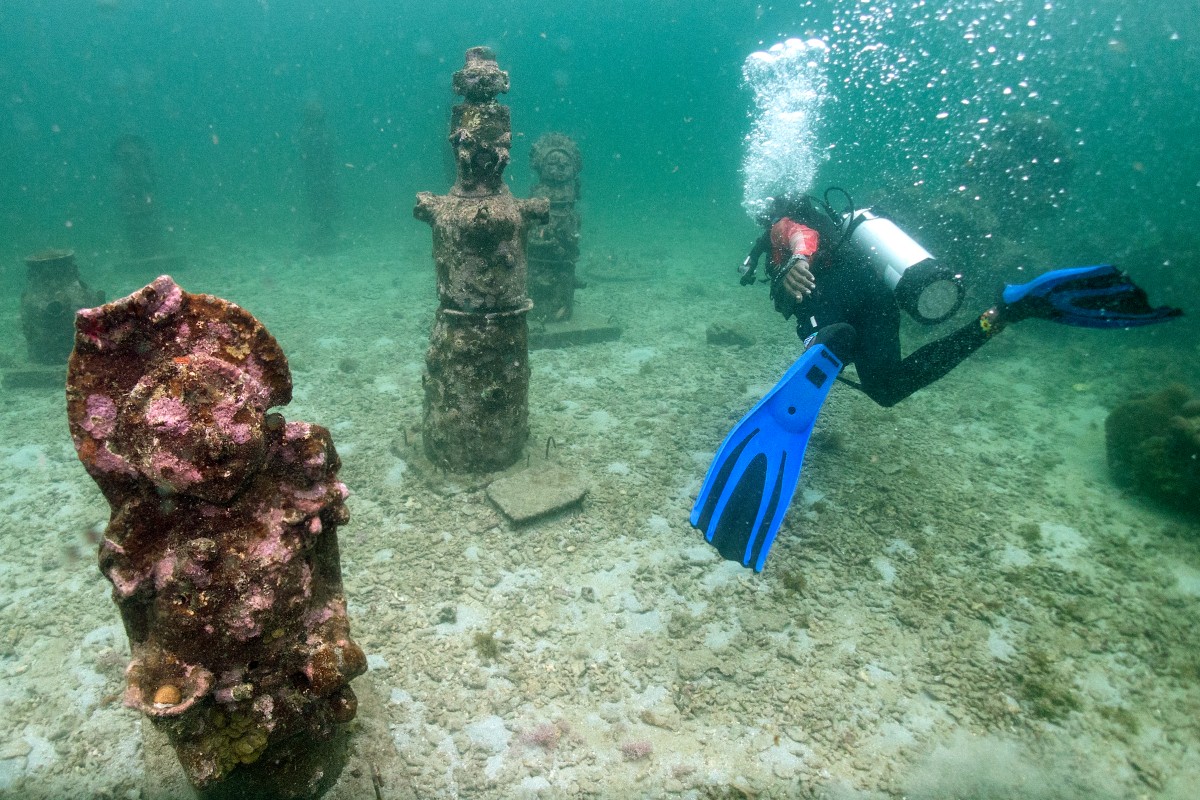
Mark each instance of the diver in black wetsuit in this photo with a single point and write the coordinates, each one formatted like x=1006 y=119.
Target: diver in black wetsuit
x=846 y=276
x=842 y=301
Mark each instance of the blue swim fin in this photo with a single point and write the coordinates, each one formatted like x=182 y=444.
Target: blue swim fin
x=1088 y=297
x=752 y=478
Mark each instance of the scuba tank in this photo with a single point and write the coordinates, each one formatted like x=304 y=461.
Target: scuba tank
x=929 y=291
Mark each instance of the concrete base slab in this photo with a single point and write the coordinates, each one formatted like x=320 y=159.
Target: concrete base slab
x=581 y=328
x=526 y=495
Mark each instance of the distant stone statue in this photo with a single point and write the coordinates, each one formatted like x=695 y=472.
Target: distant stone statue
x=137 y=184
x=318 y=161
x=53 y=293
x=554 y=247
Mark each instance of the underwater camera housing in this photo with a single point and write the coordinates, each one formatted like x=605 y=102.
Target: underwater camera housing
x=929 y=291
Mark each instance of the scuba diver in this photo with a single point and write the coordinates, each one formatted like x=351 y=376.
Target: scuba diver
x=845 y=275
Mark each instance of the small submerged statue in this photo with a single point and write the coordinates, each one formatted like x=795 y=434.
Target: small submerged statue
x=53 y=293
x=222 y=546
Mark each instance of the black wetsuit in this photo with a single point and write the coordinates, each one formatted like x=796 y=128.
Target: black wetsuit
x=853 y=312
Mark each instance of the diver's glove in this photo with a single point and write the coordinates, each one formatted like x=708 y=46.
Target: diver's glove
x=1027 y=307
x=748 y=270
x=1005 y=313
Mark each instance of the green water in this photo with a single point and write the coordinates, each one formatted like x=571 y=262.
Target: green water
x=652 y=94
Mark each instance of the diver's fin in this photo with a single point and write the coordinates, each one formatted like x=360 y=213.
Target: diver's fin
x=1089 y=297
x=753 y=476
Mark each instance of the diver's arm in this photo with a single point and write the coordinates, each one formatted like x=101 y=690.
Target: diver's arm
x=750 y=266
x=798 y=242
x=789 y=238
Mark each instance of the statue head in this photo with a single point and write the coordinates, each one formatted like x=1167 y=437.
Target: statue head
x=555 y=158
x=481 y=78
x=481 y=132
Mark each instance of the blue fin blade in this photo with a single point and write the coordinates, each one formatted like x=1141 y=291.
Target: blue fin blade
x=1087 y=297
x=754 y=474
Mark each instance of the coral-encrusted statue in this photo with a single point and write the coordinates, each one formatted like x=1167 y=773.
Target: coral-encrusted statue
x=477 y=366
x=222 y=547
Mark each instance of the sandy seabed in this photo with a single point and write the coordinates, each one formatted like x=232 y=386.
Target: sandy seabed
x=961 y=603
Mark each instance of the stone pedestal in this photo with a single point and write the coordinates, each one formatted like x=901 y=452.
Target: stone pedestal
x=477 y=389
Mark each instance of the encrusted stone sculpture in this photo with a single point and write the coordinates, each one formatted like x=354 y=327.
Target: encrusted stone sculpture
x=222 y=546
x=554 y=247
x=53 y=293
x=477 y=367
x=318 y=161
x=137 y=185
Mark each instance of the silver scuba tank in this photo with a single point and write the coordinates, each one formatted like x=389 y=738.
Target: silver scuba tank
x=930 y=292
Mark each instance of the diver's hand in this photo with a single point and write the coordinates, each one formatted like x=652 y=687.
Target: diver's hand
x=798 y=279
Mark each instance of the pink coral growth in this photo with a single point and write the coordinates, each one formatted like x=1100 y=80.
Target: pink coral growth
x=636 y=751
x=166 y=299
x=168 y=469
x=101 y=416
x=546 y=736
x=168 y=414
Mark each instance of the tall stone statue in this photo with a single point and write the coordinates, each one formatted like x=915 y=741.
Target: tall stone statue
x=477 y=368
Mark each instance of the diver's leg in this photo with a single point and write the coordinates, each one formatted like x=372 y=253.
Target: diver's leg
x=888 y=383
x=841 y=339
